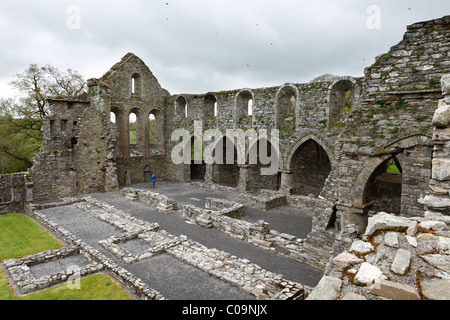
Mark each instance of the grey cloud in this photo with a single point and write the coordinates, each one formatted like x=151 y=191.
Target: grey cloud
x=207 y=45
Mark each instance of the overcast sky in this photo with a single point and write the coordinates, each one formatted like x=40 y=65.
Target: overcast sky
x=196 y=46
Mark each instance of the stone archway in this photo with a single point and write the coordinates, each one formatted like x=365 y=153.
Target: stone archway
x=416 y=174
x=263 y=155
x=308 y=165
x=416 y=154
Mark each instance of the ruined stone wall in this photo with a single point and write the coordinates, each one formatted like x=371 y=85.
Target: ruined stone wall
x=358 y=124
x=437 y=200
x=399 y=95
x=134 y=89
x=77 y=155
x=15 y=190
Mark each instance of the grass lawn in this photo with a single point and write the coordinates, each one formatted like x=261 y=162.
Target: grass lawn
x=20 y=236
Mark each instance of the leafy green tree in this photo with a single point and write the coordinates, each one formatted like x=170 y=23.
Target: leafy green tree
x=21 y=116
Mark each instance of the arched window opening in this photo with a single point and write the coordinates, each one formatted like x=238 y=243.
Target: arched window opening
x=152 y=129
x=209 y=106
x=384 y=189
x=198 y=166
x=113 y=118
x=311 y=166
x=341 y=96
x=244 y=104
x=136 y=84
x=133 y=128
x=156 y=127
x=286 y=109
x=181 y=107
x=267 y=157
x=229 y=170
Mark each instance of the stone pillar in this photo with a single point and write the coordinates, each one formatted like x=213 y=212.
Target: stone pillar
x=245 y=179
x=185 y=173
x=287 y=181
x=438 y=199
x=416 y=175
x=212 y=173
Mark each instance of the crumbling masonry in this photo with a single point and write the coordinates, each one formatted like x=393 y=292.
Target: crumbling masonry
x=338 y=136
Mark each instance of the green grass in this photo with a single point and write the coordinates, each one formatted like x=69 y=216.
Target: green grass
x=20 y=236
x=95 y=287
x=393 y=169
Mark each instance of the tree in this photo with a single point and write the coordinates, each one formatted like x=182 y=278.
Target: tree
x=21 y=116
x=37 y=84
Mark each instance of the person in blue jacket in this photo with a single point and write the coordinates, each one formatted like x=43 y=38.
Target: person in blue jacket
x=153 y=180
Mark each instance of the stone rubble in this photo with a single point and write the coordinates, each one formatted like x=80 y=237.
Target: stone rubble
x=391 y=261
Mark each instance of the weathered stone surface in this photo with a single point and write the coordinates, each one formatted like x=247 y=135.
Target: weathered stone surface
x=368 y=273
x=361 y=247
x=353 y=296
x=401 y=261
x=433 y=225
x=412 y=241
x=394 y=290
x=444 y=245
x=441 y=169
x=383 y=221
x=391 y=239
x=445 y=84
x=327 y=289
x=435 y=288
x=439 y=261
x=441 y=117
x=412 y=229
x=346 y=259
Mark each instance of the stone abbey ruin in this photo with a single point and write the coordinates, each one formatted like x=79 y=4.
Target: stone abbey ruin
x=338 y=138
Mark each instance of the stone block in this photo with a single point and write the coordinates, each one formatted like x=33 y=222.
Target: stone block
x=441 y=117
x=412 y=229
x=394 y=290
x=353 y=296
x=441 y=169
x=435 y=288
x=441 y=262
x=445 y=84
x=327 y=289
x=401 y=262
x=346 y=259
x=368 y=273
x=391 y=239
x=433 y=225
x=361 y=247
x=383 y=221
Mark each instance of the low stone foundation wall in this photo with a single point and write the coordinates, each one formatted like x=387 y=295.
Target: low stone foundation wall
x=226 y=208
x=266 y=200
x=21 y=273
x=301 y=202
x=15 y=191
x=258 y=234
x=239 y=272
x=161 y=202
x=117 y=272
